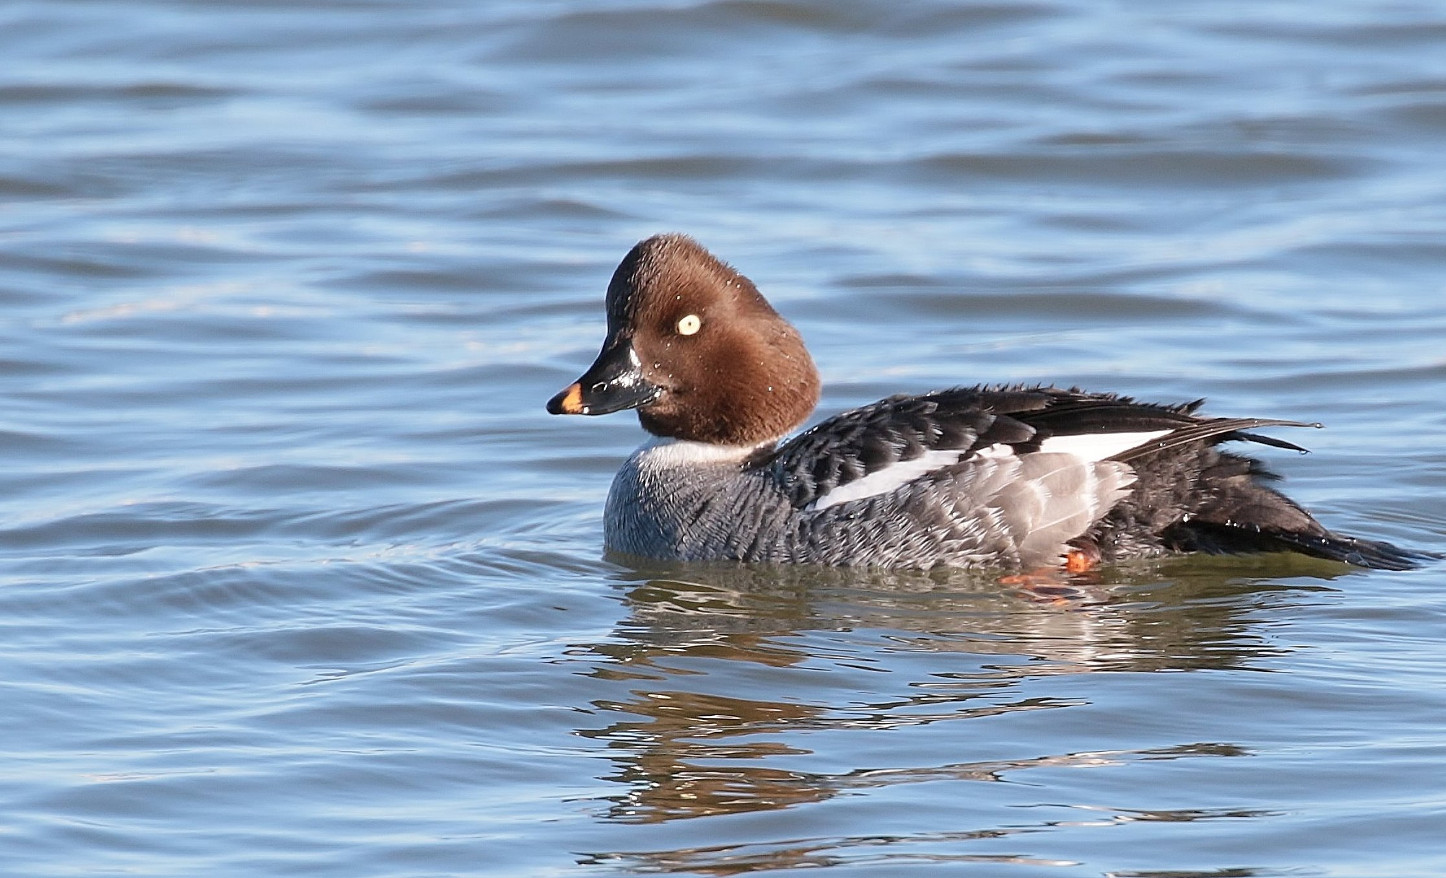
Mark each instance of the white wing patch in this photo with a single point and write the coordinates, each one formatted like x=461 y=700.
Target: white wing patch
x=887 y=479
x=1099 y=446
x=1087 y=447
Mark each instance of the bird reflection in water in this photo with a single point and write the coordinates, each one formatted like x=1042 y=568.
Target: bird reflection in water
x=729 y=679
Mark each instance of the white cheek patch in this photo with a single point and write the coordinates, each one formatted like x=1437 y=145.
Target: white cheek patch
x=1095 y=447
x=887 y=479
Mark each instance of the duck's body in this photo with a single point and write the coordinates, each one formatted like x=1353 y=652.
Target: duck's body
x=1006 y=476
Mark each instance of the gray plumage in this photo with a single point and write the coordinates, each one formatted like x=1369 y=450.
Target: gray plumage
x=987 y=511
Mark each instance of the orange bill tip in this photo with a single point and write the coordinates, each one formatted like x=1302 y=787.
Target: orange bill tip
x=571 y=401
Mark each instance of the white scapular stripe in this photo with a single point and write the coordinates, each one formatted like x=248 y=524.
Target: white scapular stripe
x=1087 y=447
x=887 y=479
x=1099 y=446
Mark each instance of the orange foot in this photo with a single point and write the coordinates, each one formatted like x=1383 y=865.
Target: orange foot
x=1081 y=560
x=1083 y=556
x=1060 y=584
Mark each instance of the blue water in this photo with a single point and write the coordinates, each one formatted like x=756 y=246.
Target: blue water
x=298 y=578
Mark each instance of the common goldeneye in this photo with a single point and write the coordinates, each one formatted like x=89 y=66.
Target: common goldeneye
x=1010 y=476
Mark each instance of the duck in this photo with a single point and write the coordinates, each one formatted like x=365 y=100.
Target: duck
x=1020 y=477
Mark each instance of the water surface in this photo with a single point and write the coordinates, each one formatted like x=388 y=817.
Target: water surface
x=296 y=577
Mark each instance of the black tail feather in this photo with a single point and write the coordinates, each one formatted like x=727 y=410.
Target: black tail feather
x=1205 y=431
x=1374 y=554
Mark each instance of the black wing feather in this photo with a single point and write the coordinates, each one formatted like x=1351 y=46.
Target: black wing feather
x=854 y=444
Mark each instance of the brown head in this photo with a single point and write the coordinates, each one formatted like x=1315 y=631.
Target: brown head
x=696 y=349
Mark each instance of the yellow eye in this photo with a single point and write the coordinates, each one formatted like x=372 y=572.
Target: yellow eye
x=689 y=324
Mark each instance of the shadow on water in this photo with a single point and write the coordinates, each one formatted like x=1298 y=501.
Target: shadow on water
x=727 y=668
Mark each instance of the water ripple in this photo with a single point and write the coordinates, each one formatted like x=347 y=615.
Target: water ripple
x=283 y=522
